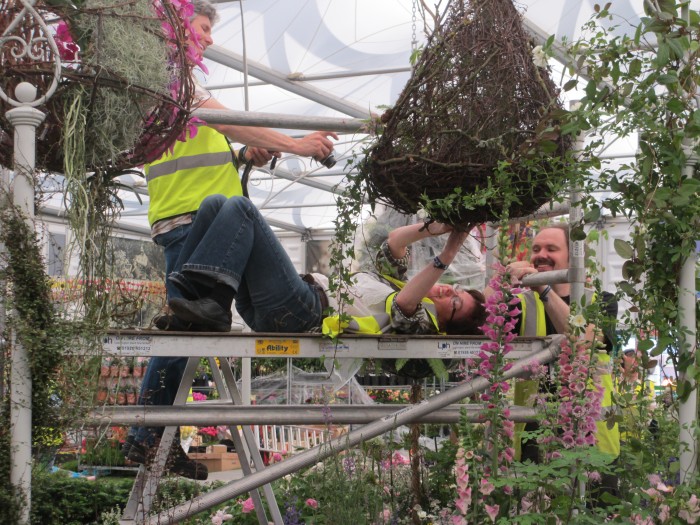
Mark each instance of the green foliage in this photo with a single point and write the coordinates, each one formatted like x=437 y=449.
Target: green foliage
x=57 y=498
x=633 y=91
x=33 y=324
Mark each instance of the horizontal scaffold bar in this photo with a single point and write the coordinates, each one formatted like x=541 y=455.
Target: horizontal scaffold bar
x=202 y=413
x=187 y=344
x=273 y=120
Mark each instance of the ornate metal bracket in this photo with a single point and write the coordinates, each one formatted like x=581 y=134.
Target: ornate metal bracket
x=30 y=49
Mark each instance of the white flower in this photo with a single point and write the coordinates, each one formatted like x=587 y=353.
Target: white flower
x=539 y=57
x=220 y=517
x=422 y=514
x=578 y=321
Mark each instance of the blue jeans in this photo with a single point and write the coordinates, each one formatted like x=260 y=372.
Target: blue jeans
x=163 y=374
x=172 y=243
x=231 y=244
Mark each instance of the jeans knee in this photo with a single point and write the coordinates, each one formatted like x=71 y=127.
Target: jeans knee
x=212 y=202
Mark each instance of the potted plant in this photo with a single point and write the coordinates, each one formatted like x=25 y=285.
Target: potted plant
x=121 y=396
x=131 y=394
x=104 y=367
x=140 y=364
x=114 y=365
x=102 y=393
x=125 y=367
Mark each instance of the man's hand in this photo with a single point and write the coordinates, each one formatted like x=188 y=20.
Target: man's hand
x=315 y=145
x=437 y=228
x=520 y=269
x=260 y=156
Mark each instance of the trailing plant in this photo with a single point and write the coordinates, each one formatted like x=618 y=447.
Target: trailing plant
x=32 y=323
x=646 y=86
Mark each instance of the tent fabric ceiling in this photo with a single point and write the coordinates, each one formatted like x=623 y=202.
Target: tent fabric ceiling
x=362 y=49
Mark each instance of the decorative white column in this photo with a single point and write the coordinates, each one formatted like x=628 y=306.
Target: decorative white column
x=25 y=120
x=688 y=410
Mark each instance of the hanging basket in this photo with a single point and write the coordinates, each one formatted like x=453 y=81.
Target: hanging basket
x=125 y=82
x=476 y=101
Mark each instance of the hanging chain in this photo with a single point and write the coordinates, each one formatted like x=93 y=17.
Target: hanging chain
x=414 y=40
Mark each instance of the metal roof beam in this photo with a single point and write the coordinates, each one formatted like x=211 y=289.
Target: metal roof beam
x=235 y=61
x=297 y=77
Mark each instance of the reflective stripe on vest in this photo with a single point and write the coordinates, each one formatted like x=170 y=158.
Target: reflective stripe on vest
x=374 y=324
x=178 y=182
x=533 y=325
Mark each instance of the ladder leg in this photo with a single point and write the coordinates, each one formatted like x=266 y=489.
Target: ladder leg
x=251 y=443
x=146 y=484
x=218 y=379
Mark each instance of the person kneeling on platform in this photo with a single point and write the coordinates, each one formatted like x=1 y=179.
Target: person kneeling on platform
x=232 y=253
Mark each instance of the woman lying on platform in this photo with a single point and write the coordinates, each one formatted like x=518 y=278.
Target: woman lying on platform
x=231 y=253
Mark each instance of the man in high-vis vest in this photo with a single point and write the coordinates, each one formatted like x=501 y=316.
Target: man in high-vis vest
x=178 y=182
x=205 y=164
x=545 y=311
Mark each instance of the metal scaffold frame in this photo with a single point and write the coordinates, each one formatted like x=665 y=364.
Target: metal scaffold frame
x=527 y=351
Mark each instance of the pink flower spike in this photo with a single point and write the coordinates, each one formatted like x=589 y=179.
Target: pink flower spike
x=486 y=487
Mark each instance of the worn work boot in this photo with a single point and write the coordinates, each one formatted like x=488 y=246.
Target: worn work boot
x=172 y=323
x=205 y=312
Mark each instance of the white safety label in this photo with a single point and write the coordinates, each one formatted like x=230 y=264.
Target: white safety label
x=458 y=348
x=128 y=344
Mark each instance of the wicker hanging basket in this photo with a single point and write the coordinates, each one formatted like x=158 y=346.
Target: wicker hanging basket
x=123 y=64
x=476 y=100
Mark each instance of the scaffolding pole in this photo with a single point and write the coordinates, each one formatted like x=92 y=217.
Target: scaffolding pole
x=688 y=410
x=204 y=413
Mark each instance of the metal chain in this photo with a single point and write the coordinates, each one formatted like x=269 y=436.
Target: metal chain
x=414 y=40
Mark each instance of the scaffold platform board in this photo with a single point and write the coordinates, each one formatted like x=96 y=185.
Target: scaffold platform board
x=147 y=343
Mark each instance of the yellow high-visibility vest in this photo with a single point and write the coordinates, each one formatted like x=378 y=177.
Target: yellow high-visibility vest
x=178 y=182
x=534 y=325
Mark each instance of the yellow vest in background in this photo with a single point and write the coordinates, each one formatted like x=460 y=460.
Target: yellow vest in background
x=608 y=439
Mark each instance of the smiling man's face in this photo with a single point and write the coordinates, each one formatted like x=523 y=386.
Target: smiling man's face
x=550 y=251
x=202 y=26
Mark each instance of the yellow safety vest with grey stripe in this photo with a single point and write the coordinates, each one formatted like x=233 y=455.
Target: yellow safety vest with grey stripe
x=178 y=182
x=532 y=323
x=375 y=324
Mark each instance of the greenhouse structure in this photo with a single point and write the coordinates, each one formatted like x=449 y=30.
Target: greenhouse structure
x=471 y=127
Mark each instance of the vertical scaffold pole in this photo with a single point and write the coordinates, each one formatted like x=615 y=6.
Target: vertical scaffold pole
x=687 y=317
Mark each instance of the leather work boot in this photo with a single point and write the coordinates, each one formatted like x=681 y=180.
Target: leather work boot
x=205 y=312
x=172 y=323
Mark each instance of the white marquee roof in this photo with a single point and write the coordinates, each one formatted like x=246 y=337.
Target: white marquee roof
x=353 y=56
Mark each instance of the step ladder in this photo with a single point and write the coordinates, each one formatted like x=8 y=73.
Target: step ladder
x=143 y=493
